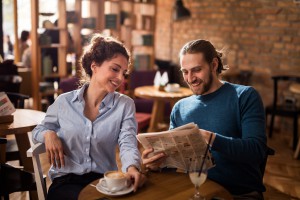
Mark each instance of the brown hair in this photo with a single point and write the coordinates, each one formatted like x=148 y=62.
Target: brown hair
x=100 y=49
x=208 y=50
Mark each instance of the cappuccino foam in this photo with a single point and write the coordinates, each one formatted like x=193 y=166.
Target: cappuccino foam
x=115 y=175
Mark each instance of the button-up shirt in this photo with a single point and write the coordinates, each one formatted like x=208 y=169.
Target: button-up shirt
x=91 y=146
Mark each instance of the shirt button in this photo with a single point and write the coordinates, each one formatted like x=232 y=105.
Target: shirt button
x=87 y=150
x=87 y=137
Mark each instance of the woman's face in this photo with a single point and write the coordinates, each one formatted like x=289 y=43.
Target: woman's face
x=110 y=75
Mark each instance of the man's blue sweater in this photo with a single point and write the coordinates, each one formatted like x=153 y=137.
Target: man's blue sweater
x=236 y=114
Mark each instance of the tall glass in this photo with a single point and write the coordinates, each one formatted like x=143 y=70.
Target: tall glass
x=197 y=176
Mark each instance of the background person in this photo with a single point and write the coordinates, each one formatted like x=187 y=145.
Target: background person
x=83 y=127
x=232 y=114
x=24 y=42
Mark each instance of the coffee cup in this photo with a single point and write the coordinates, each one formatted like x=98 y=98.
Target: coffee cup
x=114 y=181
x=172 y=87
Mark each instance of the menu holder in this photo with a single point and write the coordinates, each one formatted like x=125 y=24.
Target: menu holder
x=6 y=109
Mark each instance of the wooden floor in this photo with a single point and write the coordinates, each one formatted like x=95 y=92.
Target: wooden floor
x=282 y=176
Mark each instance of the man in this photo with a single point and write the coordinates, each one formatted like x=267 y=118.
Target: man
x=232 y=114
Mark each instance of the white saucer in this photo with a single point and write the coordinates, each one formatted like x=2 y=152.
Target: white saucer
x=104 y=190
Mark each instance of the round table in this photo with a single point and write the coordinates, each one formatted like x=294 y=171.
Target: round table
x=159 y=98
x=165 y=185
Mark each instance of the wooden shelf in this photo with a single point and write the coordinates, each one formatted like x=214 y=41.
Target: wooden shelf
x=53 y=46
x=37 y=59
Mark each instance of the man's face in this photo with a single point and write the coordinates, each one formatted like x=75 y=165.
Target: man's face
x=197 y=73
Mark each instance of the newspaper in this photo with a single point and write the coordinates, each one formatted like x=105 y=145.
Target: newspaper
x=181 y=145
x=6 y=107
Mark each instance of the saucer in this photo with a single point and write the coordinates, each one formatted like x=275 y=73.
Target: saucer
x=105 y=191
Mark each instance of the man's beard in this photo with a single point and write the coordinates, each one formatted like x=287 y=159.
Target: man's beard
x=203 y=87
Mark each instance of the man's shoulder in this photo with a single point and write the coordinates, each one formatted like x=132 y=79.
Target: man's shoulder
x=240 y=88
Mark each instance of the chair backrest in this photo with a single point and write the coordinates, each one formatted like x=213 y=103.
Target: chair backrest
x=141 y=78
x=34 y=153
x=10 y=83
x=69 y=84
x=269 y=152
x=281 y=78
x=17 y=99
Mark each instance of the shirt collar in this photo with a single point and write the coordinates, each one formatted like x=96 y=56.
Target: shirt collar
x=79 y=93
x=108 y=100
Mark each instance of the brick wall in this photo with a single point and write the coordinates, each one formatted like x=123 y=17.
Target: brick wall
x=259 y=35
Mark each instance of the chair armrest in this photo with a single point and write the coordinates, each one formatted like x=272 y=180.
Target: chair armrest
x=36 y=149
x=34 y=152
x=3 y=140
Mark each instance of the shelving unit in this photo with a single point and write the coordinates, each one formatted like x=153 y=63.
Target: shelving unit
x=131 y=21
x=143 y=35
x=41 y=70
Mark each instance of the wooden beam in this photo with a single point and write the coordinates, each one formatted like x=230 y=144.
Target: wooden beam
x=35 y=55
x=16 y=45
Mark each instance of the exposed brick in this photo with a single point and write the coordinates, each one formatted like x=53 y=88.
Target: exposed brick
x=260 y=35
x=269 y=10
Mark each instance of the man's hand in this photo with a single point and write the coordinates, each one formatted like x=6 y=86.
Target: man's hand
x=153 y=162
x=54 y=149
x=206 y=135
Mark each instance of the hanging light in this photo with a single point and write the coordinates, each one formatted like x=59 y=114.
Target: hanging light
x=180 y=12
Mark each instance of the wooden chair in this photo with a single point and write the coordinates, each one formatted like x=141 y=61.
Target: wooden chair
x=17 y=99
x=286 y=109
x=269 y=152
x=10 y=83
x=13 y=179
x=34 y=153
x=143 y=106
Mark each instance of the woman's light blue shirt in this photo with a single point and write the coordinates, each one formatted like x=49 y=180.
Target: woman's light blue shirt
x=91 y=146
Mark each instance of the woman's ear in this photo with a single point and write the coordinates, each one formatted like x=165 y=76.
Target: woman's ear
x=93 y=67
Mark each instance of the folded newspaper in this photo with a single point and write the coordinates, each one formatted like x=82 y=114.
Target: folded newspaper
x=6 y=107
x=181 y=145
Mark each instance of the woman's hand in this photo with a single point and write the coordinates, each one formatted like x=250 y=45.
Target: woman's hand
x=54 y=149
x=138 y=178
x=153 y=162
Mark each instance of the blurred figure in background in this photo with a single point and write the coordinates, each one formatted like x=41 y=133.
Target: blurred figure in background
x=7 y=47
x=24 y=42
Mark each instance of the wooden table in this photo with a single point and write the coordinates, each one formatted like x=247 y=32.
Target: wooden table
x=166 y=185
x=159 y=98
x=24 y=121
x=295 y=88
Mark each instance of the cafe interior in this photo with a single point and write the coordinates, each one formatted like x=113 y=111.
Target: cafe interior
x=42 y=42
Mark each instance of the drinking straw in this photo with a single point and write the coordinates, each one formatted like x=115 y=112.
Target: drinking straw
x=205 y=154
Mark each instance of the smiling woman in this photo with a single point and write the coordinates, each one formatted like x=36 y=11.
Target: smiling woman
x=83 y=127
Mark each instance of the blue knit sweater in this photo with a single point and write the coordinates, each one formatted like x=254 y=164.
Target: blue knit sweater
x=236 y=114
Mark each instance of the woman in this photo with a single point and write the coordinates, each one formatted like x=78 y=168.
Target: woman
x=83 y=127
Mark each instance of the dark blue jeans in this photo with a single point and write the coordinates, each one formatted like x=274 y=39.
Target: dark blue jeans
x=69 y=186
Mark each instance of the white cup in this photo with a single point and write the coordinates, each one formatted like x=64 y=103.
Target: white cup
x=172 y=87
x=114 y=181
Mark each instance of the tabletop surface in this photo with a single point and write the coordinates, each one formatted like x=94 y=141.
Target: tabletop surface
x=295 y=88
x=24 y=120
x=152 y=92
x=166 y=185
